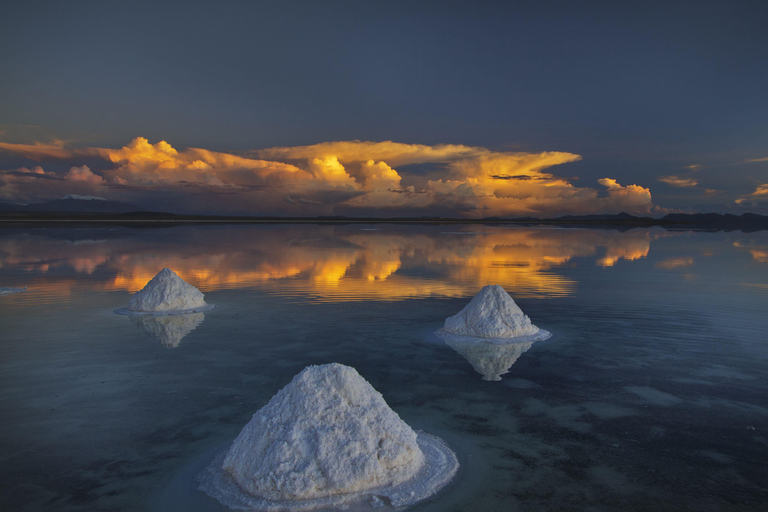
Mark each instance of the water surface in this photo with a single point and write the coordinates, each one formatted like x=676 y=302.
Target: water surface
x=651 y=394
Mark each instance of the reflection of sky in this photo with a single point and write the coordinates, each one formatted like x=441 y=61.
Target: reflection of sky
x=338 y=263
x=330 y=262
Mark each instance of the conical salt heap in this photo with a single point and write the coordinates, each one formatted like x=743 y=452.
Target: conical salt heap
x=327 y=438
x=492 y=314
x=166 y=292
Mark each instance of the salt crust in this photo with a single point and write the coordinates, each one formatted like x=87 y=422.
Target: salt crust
x=492 y=316
x=166 y=294
x=327 y=438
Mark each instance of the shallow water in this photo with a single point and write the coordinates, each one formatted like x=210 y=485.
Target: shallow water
x=651 y=394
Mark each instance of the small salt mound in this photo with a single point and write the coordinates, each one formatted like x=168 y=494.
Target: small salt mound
x=493 y=314
x=166 y=293
x=491 y=360
x=328 y=438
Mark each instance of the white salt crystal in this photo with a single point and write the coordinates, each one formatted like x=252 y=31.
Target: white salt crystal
x=493 y=314
x=328 y=438
x=327 y=432
x=166 y=293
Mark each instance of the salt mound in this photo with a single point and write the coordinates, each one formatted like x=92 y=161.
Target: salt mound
x=493 y=314
x=491 y=360
x=327 y=438
x=168 y=329
x=166 y=293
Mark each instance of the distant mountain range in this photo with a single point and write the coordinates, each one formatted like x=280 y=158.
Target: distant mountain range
x=70 y=204
x=76 y=208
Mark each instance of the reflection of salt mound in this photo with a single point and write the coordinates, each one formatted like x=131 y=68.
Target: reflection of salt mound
x=170 y=329
x=491 y=360
x=5 y=290
x=166 y=293
x=493 y=315
x=327 y=438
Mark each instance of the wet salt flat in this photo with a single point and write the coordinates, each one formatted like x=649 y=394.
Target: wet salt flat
x=650 y=395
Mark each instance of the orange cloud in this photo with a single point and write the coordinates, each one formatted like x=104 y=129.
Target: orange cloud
x=394 y=153
x=84 y=174
x=54 y=150
x=348 y=177
x=760 y=194
x=755 y=160
x=677 y=181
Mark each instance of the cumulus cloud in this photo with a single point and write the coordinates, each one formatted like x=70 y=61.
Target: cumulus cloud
x=84 y=174
x=347 y=177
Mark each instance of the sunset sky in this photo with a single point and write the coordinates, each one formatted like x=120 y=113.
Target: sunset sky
x=466 y=109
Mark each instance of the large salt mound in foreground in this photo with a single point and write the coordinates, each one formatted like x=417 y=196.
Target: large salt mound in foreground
x=493 y=316
x=327 y=438
x=166 y=293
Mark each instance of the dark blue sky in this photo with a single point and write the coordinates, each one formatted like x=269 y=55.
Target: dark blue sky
x=640 y=91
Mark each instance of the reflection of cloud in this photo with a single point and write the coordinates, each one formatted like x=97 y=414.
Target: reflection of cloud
x=336 y=263
x=759 y=252
x=488 y=359
x=674 y=263
x=170 y=329
x=351 y=177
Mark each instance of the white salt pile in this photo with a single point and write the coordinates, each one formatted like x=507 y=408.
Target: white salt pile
x=166 y=294
x=328 y=438
x=493 y=316
x=491 y=360
x=169 y=330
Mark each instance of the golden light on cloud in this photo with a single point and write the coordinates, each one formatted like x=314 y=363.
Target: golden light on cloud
x=345 y=177
x=760 y=194
x=678 y=181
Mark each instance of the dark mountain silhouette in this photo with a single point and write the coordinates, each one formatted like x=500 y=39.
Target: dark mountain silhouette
x=84 y=209
x=72 y=204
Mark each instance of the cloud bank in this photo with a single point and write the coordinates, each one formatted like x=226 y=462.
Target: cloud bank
x=332 y=178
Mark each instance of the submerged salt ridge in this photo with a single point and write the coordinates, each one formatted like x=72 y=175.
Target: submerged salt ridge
x=167 y=294
x=328 y=437
x=493 y=315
